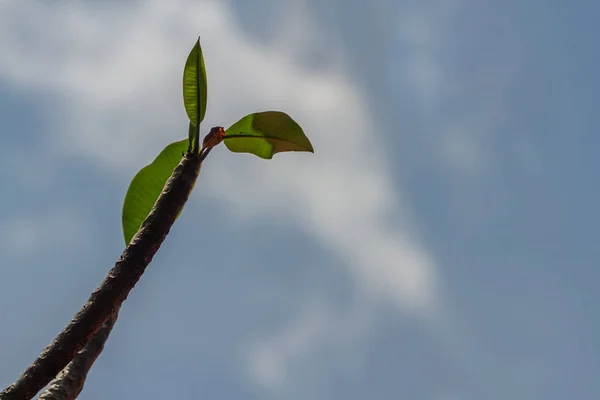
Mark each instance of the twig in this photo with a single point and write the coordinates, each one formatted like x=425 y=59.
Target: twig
x=111 y=293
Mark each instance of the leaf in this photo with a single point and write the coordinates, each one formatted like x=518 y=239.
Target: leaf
x=147 y=185
x=266 y=133
x=192 y=135
x=194 y=85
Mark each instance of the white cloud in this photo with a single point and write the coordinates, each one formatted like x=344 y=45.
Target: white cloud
x=122 y=79
x=120 y=70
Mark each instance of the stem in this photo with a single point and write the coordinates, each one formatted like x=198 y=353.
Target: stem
x=114 y=289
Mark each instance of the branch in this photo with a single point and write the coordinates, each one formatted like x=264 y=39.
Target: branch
x=108 y=297
x=68 y=384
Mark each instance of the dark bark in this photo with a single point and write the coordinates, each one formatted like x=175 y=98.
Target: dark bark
x=106 y=300
x=69 y=382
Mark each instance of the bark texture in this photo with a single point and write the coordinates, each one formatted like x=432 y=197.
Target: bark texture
x=69 y=382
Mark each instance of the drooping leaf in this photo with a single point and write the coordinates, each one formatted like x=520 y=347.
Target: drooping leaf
x=194 y=85
x=147 y=185
x=266 y=133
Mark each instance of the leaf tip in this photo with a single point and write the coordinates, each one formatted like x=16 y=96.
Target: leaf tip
x=310 y=148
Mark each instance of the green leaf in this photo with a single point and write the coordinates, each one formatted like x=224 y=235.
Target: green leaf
x=192 y=136
x=266 y=133
x=147 y=185
x=194 y=85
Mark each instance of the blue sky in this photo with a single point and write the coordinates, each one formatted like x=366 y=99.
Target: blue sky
x=440 y=244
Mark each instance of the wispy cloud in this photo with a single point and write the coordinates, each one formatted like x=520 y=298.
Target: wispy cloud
x=121 y=76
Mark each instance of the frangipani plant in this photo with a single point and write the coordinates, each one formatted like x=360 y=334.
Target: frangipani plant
x=262 y=134
x=153 y=202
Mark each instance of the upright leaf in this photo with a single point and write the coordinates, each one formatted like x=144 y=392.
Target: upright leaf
x=266 y=133
x=147 y=185
x=192 y=135
x=194 y=85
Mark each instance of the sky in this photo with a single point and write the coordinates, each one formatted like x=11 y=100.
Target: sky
x=440 y=244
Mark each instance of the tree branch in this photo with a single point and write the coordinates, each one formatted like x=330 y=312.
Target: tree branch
x=68 y=384
x=108 y=297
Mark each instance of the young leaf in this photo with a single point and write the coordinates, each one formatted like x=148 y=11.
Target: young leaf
x=266 y=133
x=192 y=135
x=194 y=85
x=147 y=185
